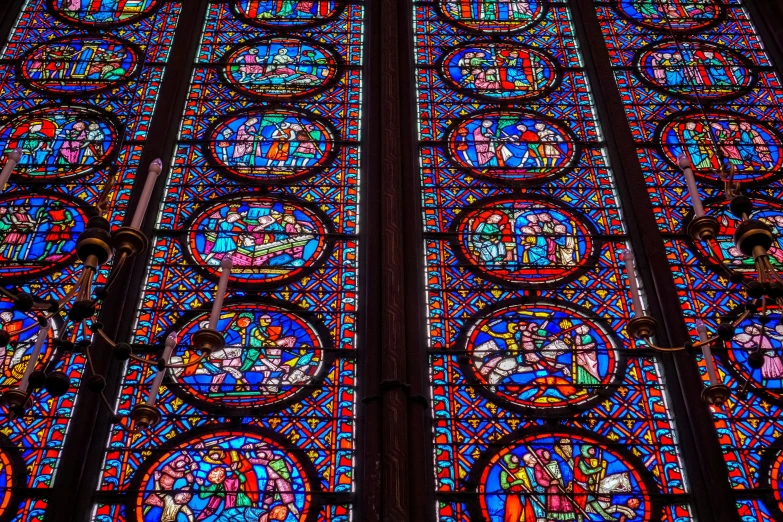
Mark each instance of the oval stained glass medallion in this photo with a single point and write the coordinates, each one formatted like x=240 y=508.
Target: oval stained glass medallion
x=698 y=70
x=499 y=71
x=564 y=473
x=271 y=355
x=80 y=64
x=750 y=146
x=523 y=241
x=269 y=239
x=492 y=17
x=542 y=356
x=671 y=15
x=224 y=475
x=280 y=14
x=38 y=232
x=103 y=12
x=274 y=146
x=515 y=147
x=280 y=68
x=59 y=142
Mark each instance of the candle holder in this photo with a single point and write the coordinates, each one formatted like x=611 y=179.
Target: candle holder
x=642 y=327
x=716 y=394
x=144 y=416
x=703 y=228
x=130 y=241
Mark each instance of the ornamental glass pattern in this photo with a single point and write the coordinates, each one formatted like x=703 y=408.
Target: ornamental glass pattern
x=543 y=408
x=78 y=104
x=266 y=172
x=696 y=80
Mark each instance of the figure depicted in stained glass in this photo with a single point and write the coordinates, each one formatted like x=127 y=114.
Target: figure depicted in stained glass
x=677 y=15
x=267 y=239
x=78 y=64
x=286 y=12
x=222 y=477
x=280 y=68
x=37 y=232
x=274 y=146
x=15 y=356
x=544 y=355
x=752 y=148
x=270 y=355
x=696 y=69
x=104 y=12
x=511 y=146
x=559 y=477
x=492 y=15
x=499 y=70
x=751 y=336
x=59 y=142
x=524 y=241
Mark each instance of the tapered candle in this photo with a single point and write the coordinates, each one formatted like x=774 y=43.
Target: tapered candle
x=630 y=270
x=226 y=265
x=706 y=352
x=141 y=208
x=687 y=170
x=10 y=164
x=171 y=342
x=43 y=333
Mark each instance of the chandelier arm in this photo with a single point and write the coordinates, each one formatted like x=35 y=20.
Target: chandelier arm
x=116 y=269
x=662 y=348
x=142 y=360
x=106 y=337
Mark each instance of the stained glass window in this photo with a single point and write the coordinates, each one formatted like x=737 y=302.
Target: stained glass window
x=543 y=408
x=78 y=105
x=265 y=173
x=697 y=81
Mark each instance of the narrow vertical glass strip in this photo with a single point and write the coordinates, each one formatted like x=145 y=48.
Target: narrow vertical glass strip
x=697 y=81
x=543 y=408
x=266 y=173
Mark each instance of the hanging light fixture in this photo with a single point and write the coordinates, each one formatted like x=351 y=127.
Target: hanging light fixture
x=95 y=246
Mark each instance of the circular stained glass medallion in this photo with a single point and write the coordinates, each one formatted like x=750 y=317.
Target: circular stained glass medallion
x=38 y=232
x=490 y=16
x=695 y=70
x=542 y=356
x=59 y=142
x=224 y=475
x=525 y=242
x=771 y=476
x=12 y=477
x=749 y=145
x=499 y=71
x=23 y=329
x=671 y=15
x=271 y=355
x=273 y=146
x=280 y=14
x=80 y=64
x=280 y=68
x=769 y=211
x=103 y=12
x=567 y=475
x=749 y=337
x=515 y=147
x=269 y=239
